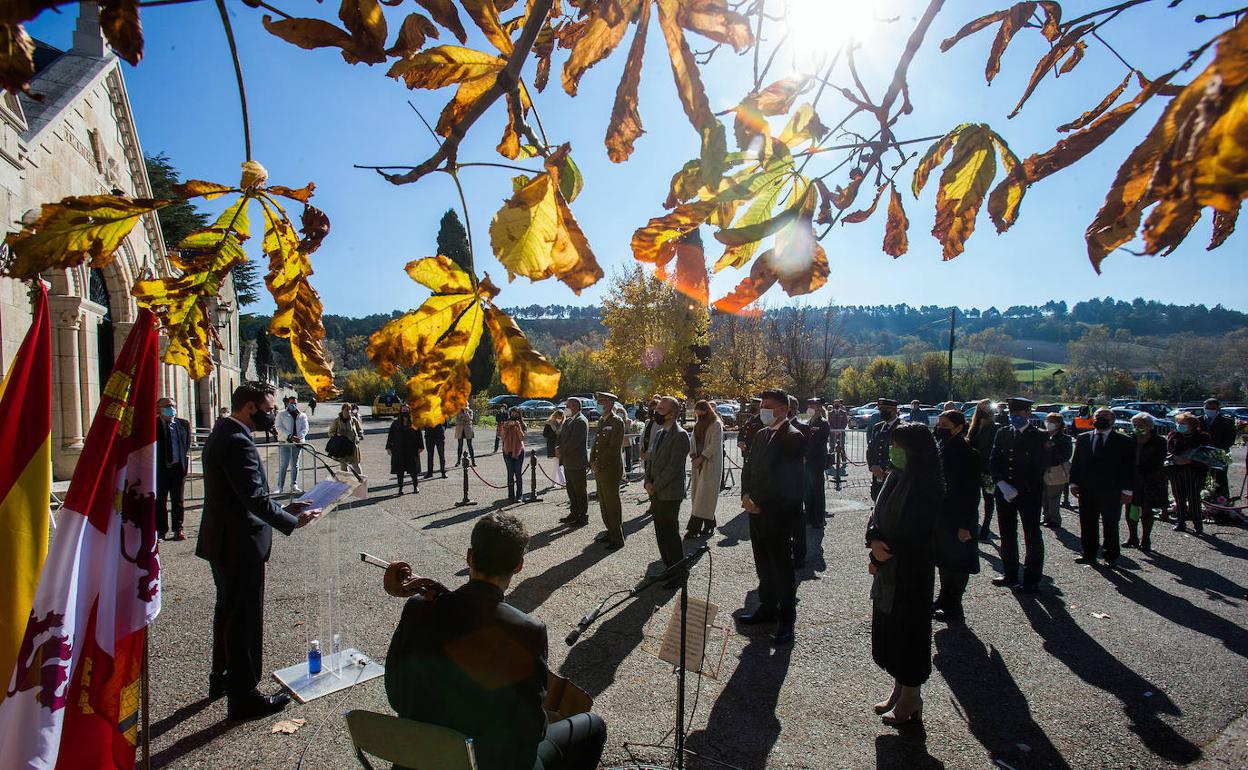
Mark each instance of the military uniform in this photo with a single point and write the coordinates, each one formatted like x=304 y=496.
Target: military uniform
x=1019 y=460
x=879 y=439
x=605 y=458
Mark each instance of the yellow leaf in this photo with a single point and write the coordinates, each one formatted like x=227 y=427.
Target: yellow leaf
x=444 y=13
x=440 y=388
x=934 y=156
x=522 y=369
x=804 y=126
x=895 y=241
x=81 y=229
x=800 y=263
x=405 y=341
x=804 y=200
x=440 y=274
x=485 y=14
x=963 y=185
x=446 y=65
x=197 y=188
x=652 y=241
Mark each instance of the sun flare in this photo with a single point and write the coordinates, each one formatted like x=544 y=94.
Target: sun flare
x=816 y=29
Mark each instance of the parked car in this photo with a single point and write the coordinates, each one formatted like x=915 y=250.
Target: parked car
x=507 y=399
x=1123 y=415
x=1155 y=408
x=930 y=414
x=536 y=408
x=863 y=416
x=727 y=414
x=1047 y=408
x=386 y=405
x=589 y=408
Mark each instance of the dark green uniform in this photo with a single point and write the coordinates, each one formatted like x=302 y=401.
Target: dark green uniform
x=606 y=460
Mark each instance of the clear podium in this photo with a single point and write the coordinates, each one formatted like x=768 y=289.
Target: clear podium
x=341 y=666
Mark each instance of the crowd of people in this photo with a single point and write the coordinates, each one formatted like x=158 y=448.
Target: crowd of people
x=935 y=492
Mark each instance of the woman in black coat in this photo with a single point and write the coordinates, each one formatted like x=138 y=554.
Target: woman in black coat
x=900 y=535
x=404 y=445
x=957 y=552
x=1149 y=491
x=982 y=434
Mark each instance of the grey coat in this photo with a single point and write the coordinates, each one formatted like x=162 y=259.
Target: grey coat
x=574 y=443
x=666 y=472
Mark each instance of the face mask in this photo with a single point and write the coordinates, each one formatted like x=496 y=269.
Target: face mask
x=1211 y=413
x=1051 y=427
x=292 y=409
x=810 y=414
x=1103 y=423
x=887 y=415
x=261 y=420
x=897 y=457
x=659 y=419
x=1183 y=428
x=768 y=416
x=1018 y=421
x=942 y=434
x=167 y=411
x=1140 y=430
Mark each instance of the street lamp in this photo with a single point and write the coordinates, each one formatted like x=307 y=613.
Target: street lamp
x=1031 y=353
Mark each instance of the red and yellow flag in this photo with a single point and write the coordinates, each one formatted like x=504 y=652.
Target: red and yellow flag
x=25 y=479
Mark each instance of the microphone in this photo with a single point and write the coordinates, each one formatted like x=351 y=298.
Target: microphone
x=585 y=623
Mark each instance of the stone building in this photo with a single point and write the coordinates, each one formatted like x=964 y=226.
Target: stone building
x=80 y=139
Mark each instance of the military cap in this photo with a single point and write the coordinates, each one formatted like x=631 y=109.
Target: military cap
x=814 y=400
x=885 y=402
x=605 y=396
x=1018 y=402
x=756 y=400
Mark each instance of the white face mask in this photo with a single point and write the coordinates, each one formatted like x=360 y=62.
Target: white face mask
x=1051 y=427
x=810 y=414
x=768 y=416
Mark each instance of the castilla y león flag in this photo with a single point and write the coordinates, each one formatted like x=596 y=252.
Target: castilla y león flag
x=73 y=696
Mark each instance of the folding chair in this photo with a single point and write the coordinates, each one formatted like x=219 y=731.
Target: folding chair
x=407 y=743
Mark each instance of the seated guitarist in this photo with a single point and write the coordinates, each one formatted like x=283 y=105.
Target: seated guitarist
x=467 y=660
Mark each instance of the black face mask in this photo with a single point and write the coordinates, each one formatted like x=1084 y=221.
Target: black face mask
x=942 y=434
x=261 y=420
x=887 y=414
x=1103 y=424
x=659 y=419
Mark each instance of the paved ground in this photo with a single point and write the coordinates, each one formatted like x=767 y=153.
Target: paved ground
x=1143 y=667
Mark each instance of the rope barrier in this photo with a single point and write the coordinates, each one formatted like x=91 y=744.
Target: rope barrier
x=473 y=468
x=547 y=475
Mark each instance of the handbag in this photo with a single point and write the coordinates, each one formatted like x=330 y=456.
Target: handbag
x=1057 y=475
x=339 y=446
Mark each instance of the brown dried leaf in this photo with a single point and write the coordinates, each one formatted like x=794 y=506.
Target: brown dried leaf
x=800 y=263
x=597 y=38
x=444 y=13
x=778 y=98
x=485 y=14
x=119 y=20
x=862 y=215
x=1075 y=57
x=314 y=226
x=761 y=278
x=1223 y=225
x=1050 y=59
x=713 y=19
x=896 y=242
x=412 y=35
x=522 y=369
x=684 y=67
x=1104 y=104
x=625 y=126
x=963 y=186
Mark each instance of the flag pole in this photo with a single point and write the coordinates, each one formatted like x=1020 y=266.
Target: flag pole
x=147 y=700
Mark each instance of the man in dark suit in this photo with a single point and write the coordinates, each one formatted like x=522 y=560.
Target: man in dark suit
x=235 y=537
x=771 y=493
x=798 y=530
x=173 y=444
x=435 y=441
x=665 y=481
x=573 y=455
x=467 y=660
x=1102 y=474
x=1018 y=462
x=816 y=504
x=879 y=439
x=1221 y=430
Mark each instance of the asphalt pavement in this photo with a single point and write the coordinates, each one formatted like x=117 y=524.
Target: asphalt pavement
x=1139 y=667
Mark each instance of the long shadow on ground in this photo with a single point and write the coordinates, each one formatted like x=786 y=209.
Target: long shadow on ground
x=743 y=727
x=593 y=662
x=989 y=699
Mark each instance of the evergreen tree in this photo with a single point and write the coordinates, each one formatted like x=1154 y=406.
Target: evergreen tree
x=453 y=244
x=264 y=352
x=179 y=219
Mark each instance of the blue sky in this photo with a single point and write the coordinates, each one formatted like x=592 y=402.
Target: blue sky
x=313 y=117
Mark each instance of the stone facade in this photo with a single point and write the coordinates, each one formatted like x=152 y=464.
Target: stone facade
x=81 y=140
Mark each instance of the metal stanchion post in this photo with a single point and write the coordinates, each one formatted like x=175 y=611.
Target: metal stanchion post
x=532 y=496
x=463 y=461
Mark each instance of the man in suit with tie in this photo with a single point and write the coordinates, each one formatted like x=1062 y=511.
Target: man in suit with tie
x=771 y=493
x=1018 y=462
x=573 y=455
x=235 y=537
x=173 y=444
x=1102 y=475
x=665 y=481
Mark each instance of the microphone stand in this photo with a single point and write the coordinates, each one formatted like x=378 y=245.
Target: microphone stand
x=682 y=569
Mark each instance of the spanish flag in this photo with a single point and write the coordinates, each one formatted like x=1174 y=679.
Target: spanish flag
x=25 y=481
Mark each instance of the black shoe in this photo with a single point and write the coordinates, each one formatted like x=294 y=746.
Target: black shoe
x=945 y=616
x=581 y=522
x=692 y=535
x=614 y=546
x=1086 y=560
x=428 y=475
x=1110 y=563
x=756 y=617
x=256 y=706
x=601 y=537
x=1146 y=547
x=443 y=474
x=400 y=490
x=1002 y=581
x=571 y=517
x=985 y=536
x=783 y=634
x=1179 y=528
x=1027 y=589
x=799 y=564
x=216 y=686
x=1130 y=544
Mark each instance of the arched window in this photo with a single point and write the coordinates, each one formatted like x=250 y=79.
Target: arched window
x=98 y=293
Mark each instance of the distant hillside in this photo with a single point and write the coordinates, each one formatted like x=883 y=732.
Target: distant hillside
x=870 y=330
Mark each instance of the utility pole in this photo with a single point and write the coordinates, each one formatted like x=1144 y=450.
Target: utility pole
x=953 y=316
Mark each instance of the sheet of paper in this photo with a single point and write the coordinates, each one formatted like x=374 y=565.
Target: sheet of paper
x=326 y=494
x=1007 y=490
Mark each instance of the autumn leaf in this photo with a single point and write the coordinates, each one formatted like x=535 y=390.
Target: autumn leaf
x=804 y=199
x=1223 y=225
x=1060 y=48
x=895 y=239
x=521 y=368
x=17 y=58
x=862 y=215
x=535 y=234
x=444 y=13
x=78 y=229
x=761 y=278
x=625 y=126
x=413 y=33
x=965 y=182
x=1105 y=103
x=601 y=32
x=363 y=40
x=1012 y=20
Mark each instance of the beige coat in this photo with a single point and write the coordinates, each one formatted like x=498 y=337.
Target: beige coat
x=704 y=485
x=354 y=432
x=463 y=425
